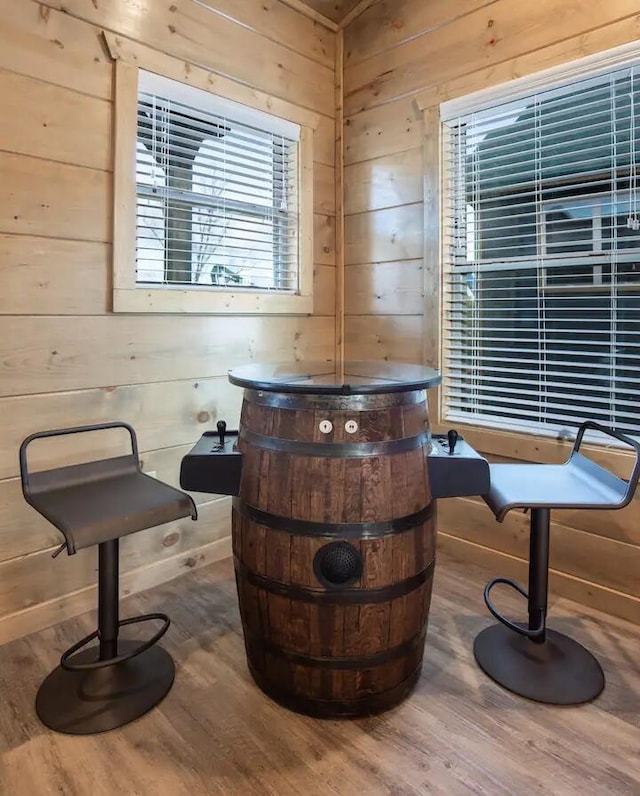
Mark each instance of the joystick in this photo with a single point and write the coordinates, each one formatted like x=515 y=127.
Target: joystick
x=452 y=438
x=214 y=464
x=222 y=430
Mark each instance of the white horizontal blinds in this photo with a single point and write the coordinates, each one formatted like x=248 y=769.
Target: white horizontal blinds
x=217 y=192
x=541 y=243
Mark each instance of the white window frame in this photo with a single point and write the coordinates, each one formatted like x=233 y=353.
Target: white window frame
x=130 y=296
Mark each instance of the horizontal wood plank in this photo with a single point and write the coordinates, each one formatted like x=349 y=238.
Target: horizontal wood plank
x=185 y=29
x=164 y=415
x=388 y=181
x=24 y=531
x=545 y=449
x=388 y=24
x=28 y=580
x=382 y=337
x=51 y=355
x=611 y=563
x=615 y=34
x=383 y=130
x=50 y=45
x=41 y=197
x=383 y=235
x=48 y=276
x=560 y=583
x=282 y=24
x=64 y=606
x=488 y=36
x=54 y=123
x=393 y=288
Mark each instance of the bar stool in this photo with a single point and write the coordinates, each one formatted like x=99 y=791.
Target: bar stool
x=531 y=660
x=111 y=683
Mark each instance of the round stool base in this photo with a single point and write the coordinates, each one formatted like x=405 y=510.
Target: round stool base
x=84 y=703
x=560 y=671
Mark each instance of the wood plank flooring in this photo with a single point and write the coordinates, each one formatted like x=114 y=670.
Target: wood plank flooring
x=215 y=733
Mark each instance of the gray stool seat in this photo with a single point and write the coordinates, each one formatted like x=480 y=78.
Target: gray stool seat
x=529 y=659
x=578 y=483
x=96 y=503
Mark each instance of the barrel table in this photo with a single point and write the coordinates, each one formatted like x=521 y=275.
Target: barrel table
x=334 y=532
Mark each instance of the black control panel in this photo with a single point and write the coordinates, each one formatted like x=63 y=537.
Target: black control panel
x=213 y=464
x=455 y=468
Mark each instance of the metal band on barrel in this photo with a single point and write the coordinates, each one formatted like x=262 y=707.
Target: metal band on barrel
x=349 y=596
x=339 y=450
x=339 y=662
x=335 y=530
x=355 y=403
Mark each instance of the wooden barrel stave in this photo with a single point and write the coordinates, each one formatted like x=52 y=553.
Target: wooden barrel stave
x=305 y=645
x=308 y=492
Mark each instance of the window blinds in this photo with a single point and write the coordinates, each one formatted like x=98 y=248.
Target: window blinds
x=541 y=243
x=217 y=191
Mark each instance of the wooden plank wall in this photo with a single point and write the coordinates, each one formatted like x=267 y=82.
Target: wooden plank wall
x=395 y=51
x=64 y=359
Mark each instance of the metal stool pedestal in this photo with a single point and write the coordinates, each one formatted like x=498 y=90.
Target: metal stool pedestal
x=103 y=685
x=529 y=659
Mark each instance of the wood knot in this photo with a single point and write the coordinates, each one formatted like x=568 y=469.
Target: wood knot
x=171 y=539
x=203 y=417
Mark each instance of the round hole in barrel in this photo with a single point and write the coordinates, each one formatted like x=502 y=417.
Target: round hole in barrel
x=338 y=564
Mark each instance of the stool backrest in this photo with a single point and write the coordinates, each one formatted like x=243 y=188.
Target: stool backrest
x=60 y=477
x=608 y=479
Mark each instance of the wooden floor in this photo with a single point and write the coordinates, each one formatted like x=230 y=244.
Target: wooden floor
x=215 y=733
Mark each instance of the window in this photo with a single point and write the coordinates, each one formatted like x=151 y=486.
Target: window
x=217 y=191
x=216 y=213
x=541 y=246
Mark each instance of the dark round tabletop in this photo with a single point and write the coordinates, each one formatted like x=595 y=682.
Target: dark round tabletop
x=327 y=378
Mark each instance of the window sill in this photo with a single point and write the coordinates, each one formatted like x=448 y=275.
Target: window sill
x=209 y=302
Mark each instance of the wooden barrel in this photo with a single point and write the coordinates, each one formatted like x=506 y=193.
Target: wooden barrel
x=334 y=547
